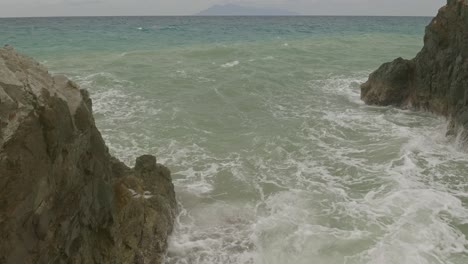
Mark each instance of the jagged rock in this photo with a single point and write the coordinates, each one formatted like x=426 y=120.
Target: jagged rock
x=64 y=198
x=436 y=79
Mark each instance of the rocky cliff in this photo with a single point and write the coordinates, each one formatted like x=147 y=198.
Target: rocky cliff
x=64 y=198
x=436 y=79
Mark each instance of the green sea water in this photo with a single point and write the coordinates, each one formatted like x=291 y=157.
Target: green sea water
x=274 y=157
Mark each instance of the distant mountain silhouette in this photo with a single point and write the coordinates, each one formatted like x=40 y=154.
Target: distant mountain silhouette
x=236 y=10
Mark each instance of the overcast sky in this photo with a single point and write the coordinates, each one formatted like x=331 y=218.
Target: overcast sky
x=13 y=8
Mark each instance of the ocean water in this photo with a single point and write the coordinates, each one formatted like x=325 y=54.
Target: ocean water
x=274 y=157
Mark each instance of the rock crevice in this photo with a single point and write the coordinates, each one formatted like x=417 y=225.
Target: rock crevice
x=64 y=198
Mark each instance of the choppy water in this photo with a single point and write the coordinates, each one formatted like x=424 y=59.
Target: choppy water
x=274 y=157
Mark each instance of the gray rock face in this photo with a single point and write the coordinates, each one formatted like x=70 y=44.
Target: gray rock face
x=436 y=79
x=64 y=198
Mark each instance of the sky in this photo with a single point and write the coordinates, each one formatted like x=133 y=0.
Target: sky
x=27 y=8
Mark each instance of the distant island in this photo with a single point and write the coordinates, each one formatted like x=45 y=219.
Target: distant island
x=236 y=10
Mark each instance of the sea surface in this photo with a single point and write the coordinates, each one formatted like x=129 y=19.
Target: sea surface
x=274 y=157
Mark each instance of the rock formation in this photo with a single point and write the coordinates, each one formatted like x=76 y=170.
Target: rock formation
x=64 y=198
x=436 y=79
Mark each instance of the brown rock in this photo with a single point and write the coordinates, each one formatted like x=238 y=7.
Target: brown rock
x=64 y=198
x=436 y=79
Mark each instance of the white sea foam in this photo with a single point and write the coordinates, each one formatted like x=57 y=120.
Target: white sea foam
x=316 y=177
x=400 y=216
x=230 y=64
x=115 y=107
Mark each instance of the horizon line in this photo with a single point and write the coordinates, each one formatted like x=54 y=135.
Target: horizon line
x=299 y=15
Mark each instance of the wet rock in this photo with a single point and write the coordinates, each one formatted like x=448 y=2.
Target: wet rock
x=64 y=198
x=390 y=84
x=436 y=79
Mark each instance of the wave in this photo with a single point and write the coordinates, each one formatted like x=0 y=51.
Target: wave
x=319 y=176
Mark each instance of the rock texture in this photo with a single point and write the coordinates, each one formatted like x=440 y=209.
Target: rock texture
x=436 y=79
x=64 y=198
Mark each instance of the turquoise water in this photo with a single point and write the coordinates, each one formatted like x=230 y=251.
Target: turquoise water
x=274 y=157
